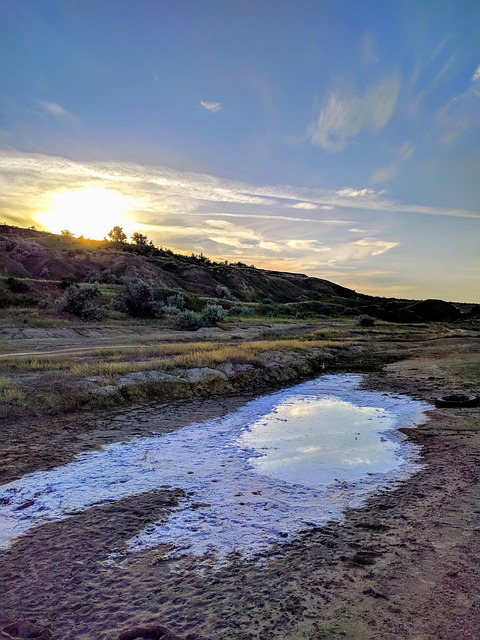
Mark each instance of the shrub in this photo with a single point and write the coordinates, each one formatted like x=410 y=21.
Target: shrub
x=93 y=276
x=81 y=300
x=177 y=300
x=136 y=298
x=212 y=314
x=105 y=276
x=224 y=292
x=188 y=321
x=366 y=321
x=349 y=311
x=239 y=310
x=171 y=310
x=25 y=251
x=67 y=282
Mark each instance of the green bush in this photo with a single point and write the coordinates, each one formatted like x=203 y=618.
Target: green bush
x=212 y=314
x=188 y=321
x=239 y=310
x=177 y=300
x=136 y=298
x=366 y=321
x=81 y=300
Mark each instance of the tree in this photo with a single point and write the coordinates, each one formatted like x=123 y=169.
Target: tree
x=67 y=234
x=140 y=244
x=117 y=235
x=139 y=239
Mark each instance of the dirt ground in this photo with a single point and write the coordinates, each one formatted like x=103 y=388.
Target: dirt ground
x=407 y=565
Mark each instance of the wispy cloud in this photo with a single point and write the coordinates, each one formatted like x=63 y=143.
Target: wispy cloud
x=462 y=112
x=271 y=217
x=28 y=180
x=305 y=205
x=368 y=49
x=400 y=156
x=55 y=109
x=308 y=246
x=344 y=116
x=214 y=107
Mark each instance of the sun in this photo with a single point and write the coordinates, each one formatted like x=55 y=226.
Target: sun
x=90 y=211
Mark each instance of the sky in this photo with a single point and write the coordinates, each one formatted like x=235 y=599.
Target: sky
x=334 y=138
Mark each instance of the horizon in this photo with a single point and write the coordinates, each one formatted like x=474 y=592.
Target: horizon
x=330 y=138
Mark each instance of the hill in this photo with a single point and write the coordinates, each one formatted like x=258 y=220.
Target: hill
x=47 y=262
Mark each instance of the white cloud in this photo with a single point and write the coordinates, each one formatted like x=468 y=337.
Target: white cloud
x=348 y=192
x=476 y=75
x=345 y=116
x=54 y=109
x=405 y=152
x=307 y=246
x=214 y=107
x=362 y=249
x=305 y=205
x=26 y=179
x=260 y=216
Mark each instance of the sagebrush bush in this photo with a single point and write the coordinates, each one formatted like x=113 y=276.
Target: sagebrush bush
x=239 y=310
x=177 y=300
x=136 y=298
x=366 y=321
x=171 y=310
x=81 y=300
x=224 y=292
x=188 y=320
x=212 y=314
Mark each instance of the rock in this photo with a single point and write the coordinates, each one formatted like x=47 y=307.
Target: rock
x=153 y=385
x=143 y=377
x=204 y=374
x=151 y=632
x=26 y=629
x=227 y=368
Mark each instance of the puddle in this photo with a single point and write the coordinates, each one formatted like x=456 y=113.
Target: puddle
x=282 y=463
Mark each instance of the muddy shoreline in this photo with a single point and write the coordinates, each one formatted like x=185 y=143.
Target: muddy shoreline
x=404 y=566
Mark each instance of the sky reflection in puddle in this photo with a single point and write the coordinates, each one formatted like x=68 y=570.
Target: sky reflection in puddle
x=284 y=462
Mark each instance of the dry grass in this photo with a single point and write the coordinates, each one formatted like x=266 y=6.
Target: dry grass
x=9 y=392
x=112 y=362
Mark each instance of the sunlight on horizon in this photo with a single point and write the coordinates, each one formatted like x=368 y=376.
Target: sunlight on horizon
x=90 y=211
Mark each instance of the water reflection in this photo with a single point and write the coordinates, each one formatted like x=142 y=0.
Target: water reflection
x=312 y=439
x=283 y=462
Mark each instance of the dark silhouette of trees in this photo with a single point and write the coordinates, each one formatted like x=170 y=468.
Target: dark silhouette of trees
x=139 y=239
x=117 y=235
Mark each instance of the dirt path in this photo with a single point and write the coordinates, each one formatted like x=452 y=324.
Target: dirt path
x=404 y=567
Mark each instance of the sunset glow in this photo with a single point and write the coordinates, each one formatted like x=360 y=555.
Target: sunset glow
x=91 y=212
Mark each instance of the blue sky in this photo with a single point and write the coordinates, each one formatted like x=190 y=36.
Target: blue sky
x=337 y=138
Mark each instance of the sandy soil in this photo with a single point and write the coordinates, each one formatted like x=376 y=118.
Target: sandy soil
x=405 y=566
